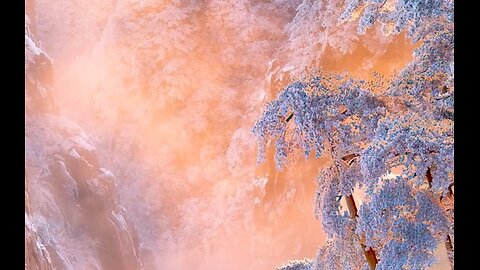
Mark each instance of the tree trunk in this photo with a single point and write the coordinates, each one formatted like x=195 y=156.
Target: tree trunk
x=352 y=208
x=370 y=253
x=429 y=178
x=449 y=247
x=448 y=240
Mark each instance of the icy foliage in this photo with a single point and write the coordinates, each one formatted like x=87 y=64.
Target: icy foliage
x=340 y=253
x=304 y=264
x=315 y=27
x=241 y=144
x=319 y=108
x=406 y=197
x=318 y=33
x=170 y=88
x=428 y=21
x=414 y=16
x=410 y=126
x=420 y=143
x=400 y=213
x=160 y=46
x=404 y=223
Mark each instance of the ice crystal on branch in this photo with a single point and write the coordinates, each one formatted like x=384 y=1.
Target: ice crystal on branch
x=297 y=265
x=408 y=128
x=423 y=143
x=319 y=108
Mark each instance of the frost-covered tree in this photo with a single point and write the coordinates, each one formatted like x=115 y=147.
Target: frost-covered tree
x=396 y=144
x=366 y=139
x=155 y=39
x=318 y=32
x=332 y=114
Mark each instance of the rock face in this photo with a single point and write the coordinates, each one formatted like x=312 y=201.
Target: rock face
x=73 y=219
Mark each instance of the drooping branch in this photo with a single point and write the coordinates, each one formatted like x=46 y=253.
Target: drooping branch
x=382 y=4
x=350 y=158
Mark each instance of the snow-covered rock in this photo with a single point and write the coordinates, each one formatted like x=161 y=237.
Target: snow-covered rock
x=73 y=219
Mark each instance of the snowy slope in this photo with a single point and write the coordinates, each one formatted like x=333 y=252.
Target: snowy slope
x=73 y=219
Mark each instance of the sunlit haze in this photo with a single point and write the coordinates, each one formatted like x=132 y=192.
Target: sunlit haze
x=168 y=93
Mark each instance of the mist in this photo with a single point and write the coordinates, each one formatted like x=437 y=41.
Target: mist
x=168 y=92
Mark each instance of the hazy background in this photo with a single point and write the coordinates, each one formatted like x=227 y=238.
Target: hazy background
x=169 y=92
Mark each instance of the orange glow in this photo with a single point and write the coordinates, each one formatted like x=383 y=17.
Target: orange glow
x=185 y=161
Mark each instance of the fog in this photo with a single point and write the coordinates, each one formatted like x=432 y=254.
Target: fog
x=170 y=105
